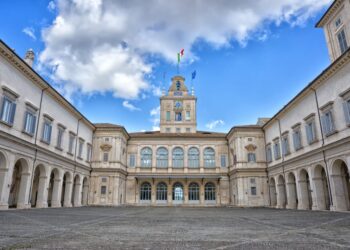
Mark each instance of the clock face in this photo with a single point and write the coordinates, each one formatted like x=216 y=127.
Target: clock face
x=178 y=104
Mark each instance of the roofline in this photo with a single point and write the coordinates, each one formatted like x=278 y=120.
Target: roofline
x=325 y=16
x=98 y=126
x=48 y=85
x=344 y=58
x=244 y=127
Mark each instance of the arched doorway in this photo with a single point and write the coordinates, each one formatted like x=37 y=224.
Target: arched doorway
x=162 y=193
x=76 y=193
x=178 y=193
x=66 y=190
x=292 y=196
x=3 y=179
x=341 y=185
x=38 y=187
x=53 y=189
x=17 y=188
x=305 y=190
x=321 y=188
x=209 y=192
x=84 y=197
x=193 y=192
x=273 y=194
x=281 y=199
x=145 y=192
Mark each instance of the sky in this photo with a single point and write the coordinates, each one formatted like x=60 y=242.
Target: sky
x=112 y=58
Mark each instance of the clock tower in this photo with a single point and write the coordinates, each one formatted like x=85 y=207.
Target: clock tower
x=178 y=109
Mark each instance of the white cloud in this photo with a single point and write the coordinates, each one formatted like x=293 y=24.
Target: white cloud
x=29 y=31
x=51 y=6
x=102 y=46
x=214 y=124
x=155 y=118
x=130 y=106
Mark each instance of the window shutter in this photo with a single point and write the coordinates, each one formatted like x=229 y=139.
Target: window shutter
x=2 y=101
x=324 y=124
x=12 y=113
x=308 y=133
x=49 y=136
x=295 y=141
x=32 y=129
x=346 y=112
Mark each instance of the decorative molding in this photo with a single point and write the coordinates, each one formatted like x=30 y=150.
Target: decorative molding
x=106 y=147
x=312 y=115
x=251 y=147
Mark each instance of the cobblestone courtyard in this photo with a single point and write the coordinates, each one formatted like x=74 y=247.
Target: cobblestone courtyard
x=173 y=228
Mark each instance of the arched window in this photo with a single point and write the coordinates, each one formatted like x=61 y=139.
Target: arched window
x=193 y=192
x=145 y=192
x=162 y=192
x=193 y=157
x=146 y=157
x=209 y=157
x=209 y=192
x=178 y=192
x=162 y=157
x=178 y=158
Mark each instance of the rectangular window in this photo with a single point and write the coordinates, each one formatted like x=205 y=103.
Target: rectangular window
x=338 y=22
x=132 y=160
x=188 y=130
x=60 y=137
x=251 y=157
x=253 y=190
x=105 y=157
x=327 y=123
x=285 y=145
x=167 y=116
x=103 y=190
x=223 y=161
x=346 y=108
x=104 y=179
x=310 y=131
x=88 y=152
x=178 y=116
x=29 y=122
x=80 y=150
x=252 y=180
x=343 y=45
x=167 y=130
x=71 y=143
x=277 y=150
x=8 y=110
x=47 y=128
x=297 y=139
x=188 y=115
x=178 y=130
x=268 y=154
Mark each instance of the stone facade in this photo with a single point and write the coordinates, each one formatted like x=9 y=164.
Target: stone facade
x=52 y=156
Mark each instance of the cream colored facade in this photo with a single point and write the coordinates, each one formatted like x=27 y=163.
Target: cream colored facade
x=52 y=156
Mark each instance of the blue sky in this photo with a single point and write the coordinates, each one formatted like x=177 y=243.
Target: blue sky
x=248 y=75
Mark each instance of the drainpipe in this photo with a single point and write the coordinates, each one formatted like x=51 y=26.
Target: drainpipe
x=35 y=143
x=323 y=143
x=267 y=171
x=284 y=174
x=76 y=145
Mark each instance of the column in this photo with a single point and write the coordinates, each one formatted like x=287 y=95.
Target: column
x=170 y=193
x=338 y=194
x=280 y=195
x=303 y=195
x=68 y=194
x=56 y=192
x=291 y=195
x=42 y=192
x=186 y=192
x=5 y=182
x=23 y=195
x=318 y=199
x=218 y=193
x=77 y=194
x=201 y=193
x=153 y=196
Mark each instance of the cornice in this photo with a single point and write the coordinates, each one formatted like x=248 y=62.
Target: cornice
x=329 y=13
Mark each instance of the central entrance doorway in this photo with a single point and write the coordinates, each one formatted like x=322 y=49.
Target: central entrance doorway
x=178 y=193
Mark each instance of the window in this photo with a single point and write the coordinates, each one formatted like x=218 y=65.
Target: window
x=223 y=161
x=167 y=130
x=188 y=130
x=162 y=157
x=71 y=143
x=343 y=45
x=251 y=157
x=209 y=157
x=105 y=156
x=132 y=160
x=346 y=108
x=104 y=179
x=47 y=128
x=193 y=192
x=103 y=190
x=268 y=153
x=253 y=190
x=80 y=150
x=106 y=139
x=88 y=152
x=193 y=157
x=338 y=22
x=8 y=110
x=178 y=192
x=188 y=115
x=178 y=130
x=252 y=181
x=162 y=192
x=29 y=122
x=145 y=192
x=178 y=157
x=297 y=139
x=285 y=145
x=310 y=131
x=327 y=123
x=146 y=157
x=178 y=116
x=167 y=116
x=277 y=150
x=60 y=131
x=209 y=192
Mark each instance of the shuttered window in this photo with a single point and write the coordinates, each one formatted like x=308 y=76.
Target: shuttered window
x=327 y=123
x=343 y=45
x=8 y=110
x=310 y=131
x=47 y=128
x=29 y=122
x=346 y=108
x=297 y=139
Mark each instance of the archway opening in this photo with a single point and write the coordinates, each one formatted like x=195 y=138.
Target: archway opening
x=178 y=193
x=281 y=192
x=84 y=196
x=193 y=192
x=17 y=186
x=273 y=194
x=305 y=189
x=321 y=188
x=162 y=192
x=209 y=192
x=292 y=192
x=341 y=183
x=52 y=187
x=65 y=181
x=35 y=187
x=75 y=199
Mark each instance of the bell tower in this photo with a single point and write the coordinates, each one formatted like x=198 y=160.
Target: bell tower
x=178 y=109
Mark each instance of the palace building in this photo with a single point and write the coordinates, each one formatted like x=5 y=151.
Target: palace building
x=53 y=156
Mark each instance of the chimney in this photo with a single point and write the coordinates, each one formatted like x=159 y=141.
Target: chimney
x=29 y=58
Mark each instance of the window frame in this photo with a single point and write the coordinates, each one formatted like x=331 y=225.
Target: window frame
x=32 y=127
x=162 y=157
x=146 y=157
x=209 y=157
x=11 y=99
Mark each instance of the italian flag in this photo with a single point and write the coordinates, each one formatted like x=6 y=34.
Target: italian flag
x=180 y=55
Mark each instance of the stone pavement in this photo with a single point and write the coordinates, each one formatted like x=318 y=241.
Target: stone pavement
x=173 y=228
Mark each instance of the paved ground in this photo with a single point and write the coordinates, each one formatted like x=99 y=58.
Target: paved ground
x=173 y=228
